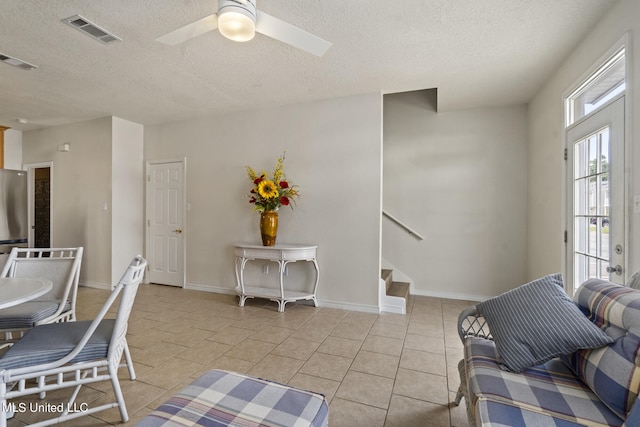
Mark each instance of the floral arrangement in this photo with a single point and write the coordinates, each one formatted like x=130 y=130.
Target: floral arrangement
x=268 y=194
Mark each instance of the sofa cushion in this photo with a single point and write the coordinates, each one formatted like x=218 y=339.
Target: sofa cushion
x=537 y=322
x=612 y=372
x=633 y=419
x=500 y=414
x=549 y=391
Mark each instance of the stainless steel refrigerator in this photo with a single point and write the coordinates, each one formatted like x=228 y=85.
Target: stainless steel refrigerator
x=13 y=210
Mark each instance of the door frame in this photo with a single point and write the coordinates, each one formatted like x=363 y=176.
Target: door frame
x=624 y=41
x=148 y=251
x=30 y=168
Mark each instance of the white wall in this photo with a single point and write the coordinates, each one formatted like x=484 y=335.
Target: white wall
x=333 y=152
x=81 y=187
x=127 y=207
x=459 y=179
x=546 y=222
x=99 y=181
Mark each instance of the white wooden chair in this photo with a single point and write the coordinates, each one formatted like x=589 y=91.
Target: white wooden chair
x=71 y=354
x=62 y=267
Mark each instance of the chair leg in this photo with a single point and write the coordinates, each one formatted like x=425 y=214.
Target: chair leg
x=6 y=411
x=113 y=372
x=74 y=395
x=127 y=358
x=459 y=395
x=463 y=380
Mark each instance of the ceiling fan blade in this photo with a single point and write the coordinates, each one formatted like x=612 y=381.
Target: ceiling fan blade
x=290 y=34
x=189 y=31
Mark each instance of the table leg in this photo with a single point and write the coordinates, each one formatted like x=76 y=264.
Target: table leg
x=240 y=264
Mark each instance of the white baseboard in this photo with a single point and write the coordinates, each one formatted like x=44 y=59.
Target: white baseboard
x=209 y=288
x=349 y=306
x=390 y=304
x=95 y=285
x=321 y=303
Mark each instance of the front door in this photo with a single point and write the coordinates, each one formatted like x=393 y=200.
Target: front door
x=596 y=211
x=165 y=222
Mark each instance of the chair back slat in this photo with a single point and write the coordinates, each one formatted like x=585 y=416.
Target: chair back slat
x=59 y=265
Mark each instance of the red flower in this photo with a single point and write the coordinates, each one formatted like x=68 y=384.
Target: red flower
x=252 y=200
x=257 y=180
x=284 y=200
x=284 y=184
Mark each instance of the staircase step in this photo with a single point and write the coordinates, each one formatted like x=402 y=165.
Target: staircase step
x=398 y=289
x=386 y=275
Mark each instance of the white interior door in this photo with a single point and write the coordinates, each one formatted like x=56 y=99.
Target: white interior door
x=165 y=222
x=596 y=185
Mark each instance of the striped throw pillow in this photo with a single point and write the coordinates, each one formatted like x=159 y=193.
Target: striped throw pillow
x=536 y=322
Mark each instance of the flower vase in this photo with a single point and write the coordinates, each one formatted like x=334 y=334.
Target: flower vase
x=268 y=227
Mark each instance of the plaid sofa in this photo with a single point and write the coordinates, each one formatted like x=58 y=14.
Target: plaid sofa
x=597 y=387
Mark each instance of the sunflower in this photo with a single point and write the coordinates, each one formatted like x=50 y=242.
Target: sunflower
x=269 y=193
x=267 y=189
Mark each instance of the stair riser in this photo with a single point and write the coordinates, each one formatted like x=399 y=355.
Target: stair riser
x=397 y=293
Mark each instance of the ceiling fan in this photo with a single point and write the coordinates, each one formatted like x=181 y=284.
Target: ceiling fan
x=239 y=20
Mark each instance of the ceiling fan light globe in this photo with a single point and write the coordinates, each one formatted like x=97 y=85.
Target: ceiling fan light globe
x=236 y=26
x=237 y=19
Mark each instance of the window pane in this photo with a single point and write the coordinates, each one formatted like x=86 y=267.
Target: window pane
x=603 y=194
x=603 y=244
x=593 y=238
x=581 y=199
x=603 y=85
x=604 y=150
x=581 y=234
x=593 y=268
x=593 y=196
x=580 y=268
x=602 y=265
x=593 y=154
x=580 y=159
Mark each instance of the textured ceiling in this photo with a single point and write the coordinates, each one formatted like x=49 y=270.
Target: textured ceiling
x=476 y=52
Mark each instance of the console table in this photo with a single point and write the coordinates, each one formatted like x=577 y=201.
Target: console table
x=282 y=254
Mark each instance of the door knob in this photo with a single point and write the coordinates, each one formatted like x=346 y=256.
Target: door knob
x=617 y=269
x=178 y=230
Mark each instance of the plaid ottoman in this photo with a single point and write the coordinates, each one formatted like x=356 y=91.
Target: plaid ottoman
x=221 y=398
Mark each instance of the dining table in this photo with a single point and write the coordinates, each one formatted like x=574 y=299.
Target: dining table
x=16 y=290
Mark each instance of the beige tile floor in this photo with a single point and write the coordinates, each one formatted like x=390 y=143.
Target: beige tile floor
x=375 y=370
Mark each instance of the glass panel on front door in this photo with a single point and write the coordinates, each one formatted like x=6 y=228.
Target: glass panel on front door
x=591 y=207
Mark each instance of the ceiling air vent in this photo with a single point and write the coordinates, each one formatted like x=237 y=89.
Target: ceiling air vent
x=91 y=29
x=16 y=62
